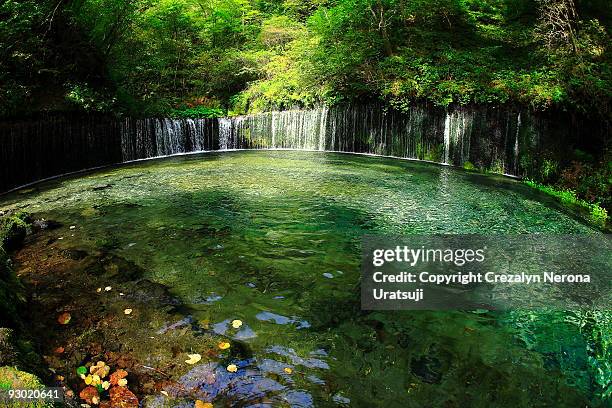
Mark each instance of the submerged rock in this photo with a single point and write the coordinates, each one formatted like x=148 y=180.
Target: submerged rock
x=74 y=254
x=43 y=224
x=427 y=368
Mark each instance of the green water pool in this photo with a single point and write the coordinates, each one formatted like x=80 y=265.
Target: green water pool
x=273 y=238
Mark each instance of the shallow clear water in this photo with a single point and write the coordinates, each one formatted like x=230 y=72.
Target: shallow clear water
x=273 y=239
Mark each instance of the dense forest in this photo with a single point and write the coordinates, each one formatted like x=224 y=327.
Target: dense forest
x=192 y=57
x=203 y=58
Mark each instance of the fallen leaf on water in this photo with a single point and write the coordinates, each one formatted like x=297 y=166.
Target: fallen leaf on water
x=64 y=318
x=193 y=358
x=232 y=368
x=88 y=394
x=236 y=323
x=287 y=370
x=117 y=375
x=100 y=369
x=127 y=311
x=121 y=397
x=224 y=345
x=202 y=404
x=108 y=289
x=59 y=350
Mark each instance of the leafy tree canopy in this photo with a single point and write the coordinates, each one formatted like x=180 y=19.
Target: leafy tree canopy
x=149 y=57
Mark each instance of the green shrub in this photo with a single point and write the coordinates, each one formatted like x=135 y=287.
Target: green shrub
x=596 y=213
x=469 y=166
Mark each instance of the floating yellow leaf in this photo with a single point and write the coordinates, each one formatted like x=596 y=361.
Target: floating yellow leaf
x=236 y=323
x=224 y=345
x=193 y=358
x=232 y=368
x=122 y=382
x=127 y=311
x=288 y=370
x=202 y=404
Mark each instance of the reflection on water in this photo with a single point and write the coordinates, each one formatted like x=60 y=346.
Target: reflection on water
x=273 y=239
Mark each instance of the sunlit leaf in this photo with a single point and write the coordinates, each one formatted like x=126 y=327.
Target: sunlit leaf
x=193 y=358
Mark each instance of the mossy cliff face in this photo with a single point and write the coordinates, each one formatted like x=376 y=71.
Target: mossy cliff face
x=14 y=352
x=13 y=230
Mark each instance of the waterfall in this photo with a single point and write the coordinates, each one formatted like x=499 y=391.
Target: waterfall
x=225 y=133
x=447 y=135
x=153 y=137
x=480 y=136
x=492 y=139
x=516 y=144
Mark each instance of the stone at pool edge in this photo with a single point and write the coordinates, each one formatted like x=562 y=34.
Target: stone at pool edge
x=13 y=230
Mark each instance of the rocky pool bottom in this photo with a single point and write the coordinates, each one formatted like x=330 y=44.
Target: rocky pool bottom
x=188 y=245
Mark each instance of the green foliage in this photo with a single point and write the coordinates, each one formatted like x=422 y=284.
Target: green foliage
x=469 y=166
x=196 y=112
x=146 y=58
x=595 y=212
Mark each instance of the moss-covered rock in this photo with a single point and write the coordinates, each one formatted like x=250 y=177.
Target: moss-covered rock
x=11 y=378
x=13 y=230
